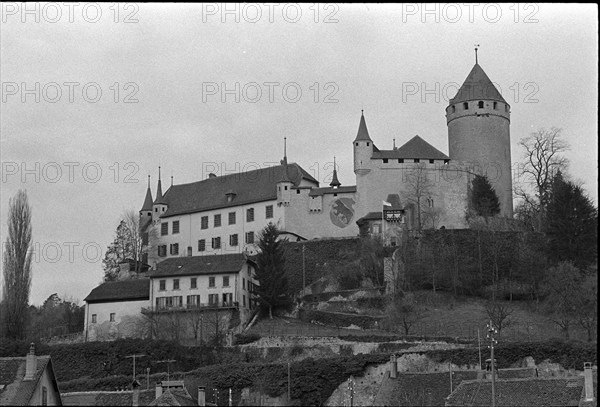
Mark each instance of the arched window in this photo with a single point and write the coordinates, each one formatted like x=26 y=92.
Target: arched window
x=480 y=104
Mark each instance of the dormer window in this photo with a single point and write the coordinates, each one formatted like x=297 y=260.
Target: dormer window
x=480 y=104
x=230 y=195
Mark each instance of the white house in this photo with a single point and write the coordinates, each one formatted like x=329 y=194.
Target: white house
x=113 y=310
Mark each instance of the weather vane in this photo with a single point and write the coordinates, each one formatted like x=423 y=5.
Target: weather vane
x=476 y=47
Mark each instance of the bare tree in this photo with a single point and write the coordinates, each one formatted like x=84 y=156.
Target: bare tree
x=17 y=265
x=418 y=187
x=543 y=157
x=500 y=314
x=404 y=311
x=140 y=237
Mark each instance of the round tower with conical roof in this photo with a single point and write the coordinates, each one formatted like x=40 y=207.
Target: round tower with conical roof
x=363 y=148
x=478 y=120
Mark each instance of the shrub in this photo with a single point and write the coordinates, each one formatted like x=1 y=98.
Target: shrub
x=242 y=339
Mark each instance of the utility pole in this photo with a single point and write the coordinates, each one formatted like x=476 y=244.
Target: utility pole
x=147 y=378
x=479 y=346
x=168 y=362
x=491 y=332
x=289 y=385
x=134 y=356
x=303 y=271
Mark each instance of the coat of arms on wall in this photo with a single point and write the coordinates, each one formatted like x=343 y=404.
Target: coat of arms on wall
x=341 y=212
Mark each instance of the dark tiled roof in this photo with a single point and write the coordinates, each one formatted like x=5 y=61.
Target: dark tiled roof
x=14 y=390
x=331 y=190
x=363 y=133
x=519 y=392
x=416 y=147
x=249 y=187
x=174 y=397
x=370 y=216
x=477 y=86
x=106 y=398
x=125 y=290
x=420 y=389
x=215 y=264
x=147 y=206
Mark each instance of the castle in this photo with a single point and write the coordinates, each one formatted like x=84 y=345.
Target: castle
x=413 y=186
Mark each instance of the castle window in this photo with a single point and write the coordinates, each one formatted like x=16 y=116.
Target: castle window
x=269 y=211
x=506 y=108
x=193 y=282
x=385 y=160
x=189 y=251
x=285 y=187
x=367 y=144
x=204 y=222
x=217 y=220
x=334 y=194
x=233 y=240
x=495 y=105
x=356 y=144
x=162 y=285
x=175 y=226
x=163 y=209
x=112 y=317
x=417 y=160
x=250 y=237
x=164 y=229
x=250 y=215
x=162 y=250
x=94 y=318
x=211 y=281
x=174 y=249
x=466 y=106
x=297 y=191
x=480 y=104
x=232 y=218
x=400 y=160
x=155 y=209
x=176 y=284
x=431 y=161
x=453 y=109
x=225 y=281
x=201 y=245
x=216 y=242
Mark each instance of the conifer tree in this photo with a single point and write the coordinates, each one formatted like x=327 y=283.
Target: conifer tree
x=272 y=291
x=484 y=200
x=571 y=224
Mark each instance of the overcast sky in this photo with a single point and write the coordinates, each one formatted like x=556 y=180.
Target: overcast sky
x=182 y=67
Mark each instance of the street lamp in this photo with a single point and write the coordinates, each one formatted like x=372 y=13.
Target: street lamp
x=492 y=331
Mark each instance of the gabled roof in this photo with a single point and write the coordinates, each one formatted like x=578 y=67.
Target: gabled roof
x=477 y=86
x=519 y=392
x=106 y=398
x=195 y=265
x=363 y=133
x=416 y=147
x=14 y=391
x=124 y=290
x=249 y=187
x=174 y=397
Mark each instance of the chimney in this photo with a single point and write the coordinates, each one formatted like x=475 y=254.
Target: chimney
x=393 y=367
x=201 y=396
x=212 y=175
x=589 y=381
x=158 y=391
x=135 y=402
x=30 y=363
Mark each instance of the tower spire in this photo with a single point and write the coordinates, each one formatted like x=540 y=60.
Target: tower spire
x=159 y=195
x=476 y=48
x=147 y=206
x=334 y=180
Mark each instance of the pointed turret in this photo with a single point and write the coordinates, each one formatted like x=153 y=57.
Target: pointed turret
x=148 y=200
x=159 y=195
x=285 y=184
x=363 y=133
x=363 y=148
x=334 y=180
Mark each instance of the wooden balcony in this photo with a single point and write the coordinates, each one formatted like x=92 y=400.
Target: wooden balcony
x=191 y=308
